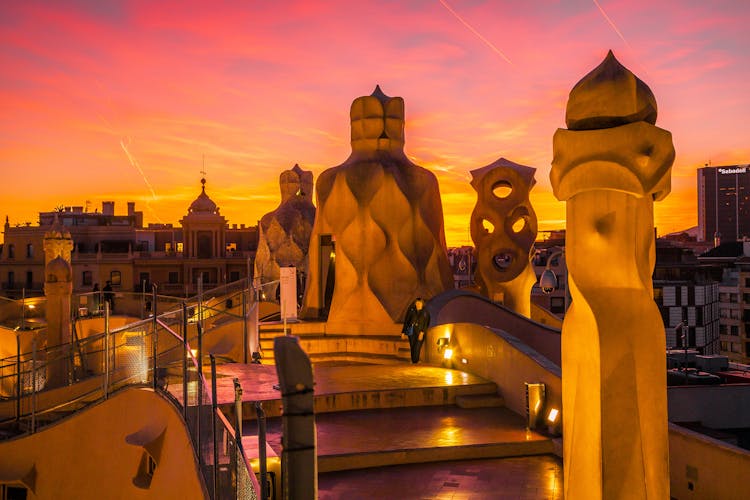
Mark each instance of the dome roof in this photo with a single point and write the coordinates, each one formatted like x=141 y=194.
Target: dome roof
x=203 y=204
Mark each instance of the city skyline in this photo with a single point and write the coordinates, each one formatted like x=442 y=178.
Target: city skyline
x=131 y=101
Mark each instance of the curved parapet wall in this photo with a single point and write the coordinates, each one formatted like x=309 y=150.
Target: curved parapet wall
x=501 y=357
x=459 y=306
x=384 y=218
x=104 y=452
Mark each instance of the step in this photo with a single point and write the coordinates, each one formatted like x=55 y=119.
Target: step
x=376 y=438
x=480 y=401
x=376 y=349
x=353 y=387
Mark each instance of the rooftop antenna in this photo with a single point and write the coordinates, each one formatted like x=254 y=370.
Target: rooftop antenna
x=203 y=168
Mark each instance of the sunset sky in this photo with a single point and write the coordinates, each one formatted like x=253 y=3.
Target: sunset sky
x=123 y=100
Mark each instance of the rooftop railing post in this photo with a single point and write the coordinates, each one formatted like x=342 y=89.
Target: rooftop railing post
x=199 y=386
x=214 y=409
x=244 y=323
x=264 y=489
x=184 y=361
x=18 y=380
x=154 y=337
x=106 y=348
x=237 y=425
x=33 y=384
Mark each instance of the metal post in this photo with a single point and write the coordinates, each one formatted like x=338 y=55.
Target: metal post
x=18 y=380
x=200 y=301
x=237 y=425
x=214 y=409
x=262 y=450
x=143 y=299
x=23 y=309
x=153 y=334
x=33 y=382
x=238 y=409
x=106 y=348
x=199 y=384
x=244 y=324
x=184 y=361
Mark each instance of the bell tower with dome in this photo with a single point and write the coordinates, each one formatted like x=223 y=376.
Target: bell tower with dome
x=204 y=239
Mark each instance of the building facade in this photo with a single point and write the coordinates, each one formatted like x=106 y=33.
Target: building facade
x=724 y=202
x=119 y=249
x=734 y=298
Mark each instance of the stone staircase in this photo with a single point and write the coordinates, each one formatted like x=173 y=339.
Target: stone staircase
x=381 y=415
x=323 y=347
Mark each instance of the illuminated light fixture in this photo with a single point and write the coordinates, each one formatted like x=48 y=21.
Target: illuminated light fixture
x=464 y=360
x=448 y=353
x=552 y=416
x=194 y=353
x=31 y=306
x=535 y=399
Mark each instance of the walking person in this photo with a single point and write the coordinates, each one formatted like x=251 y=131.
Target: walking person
x=109 y=296
x=416 y=322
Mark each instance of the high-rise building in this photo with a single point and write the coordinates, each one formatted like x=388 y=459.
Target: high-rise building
x=724 y=202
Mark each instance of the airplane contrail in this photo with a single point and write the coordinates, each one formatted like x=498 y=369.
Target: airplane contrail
x=611 y=23
x=135 y=164
x=470 y=28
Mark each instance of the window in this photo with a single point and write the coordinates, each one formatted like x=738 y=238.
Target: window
x=231 y=247
x=722 y=329
x=747 y=282
x=234 y=276
x=11 y=279
x=29 y=251
x=11 y=251
x=174 y=277
x=723 y=346
x=115 y=277
x=734 y=330
x=180 y=247
x=168 y=246
x=29 y=279
x=205 y=244
x=86 y=278
x=11 y=492
x=144 y=281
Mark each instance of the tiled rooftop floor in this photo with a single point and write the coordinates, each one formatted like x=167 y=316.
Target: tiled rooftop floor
x=519 y=478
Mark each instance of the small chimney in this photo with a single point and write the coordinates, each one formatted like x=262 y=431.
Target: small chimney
x=108 y=208
x=131 y=208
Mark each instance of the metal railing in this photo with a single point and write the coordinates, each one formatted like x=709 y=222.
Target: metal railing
x=164 y=351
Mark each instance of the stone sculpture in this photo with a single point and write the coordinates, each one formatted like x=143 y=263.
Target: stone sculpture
x=57 y=242
x=610 y=165
x=58 y=289
x=385 y=217
x=503 y=228
x=285 y=232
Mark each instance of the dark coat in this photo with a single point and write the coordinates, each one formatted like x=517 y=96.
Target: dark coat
x=417 y=320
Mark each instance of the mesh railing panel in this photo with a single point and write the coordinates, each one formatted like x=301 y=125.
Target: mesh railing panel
x=95 y=366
